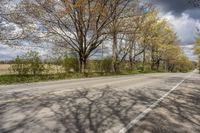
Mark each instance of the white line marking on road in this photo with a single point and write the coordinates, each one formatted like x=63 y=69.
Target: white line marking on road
x=150 y=108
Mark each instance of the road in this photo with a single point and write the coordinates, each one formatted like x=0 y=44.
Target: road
x=170 y=102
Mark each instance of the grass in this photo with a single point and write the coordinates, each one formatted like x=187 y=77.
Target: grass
x=52 y=69
x=54 y=74
x=16 y=79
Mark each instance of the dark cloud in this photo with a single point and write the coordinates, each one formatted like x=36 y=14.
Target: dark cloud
x=193 y=13
x=184 y=15
x=177 y=7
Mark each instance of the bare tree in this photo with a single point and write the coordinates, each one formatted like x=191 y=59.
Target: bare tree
x=78 y=25
x=9 y=28
x=119 y=30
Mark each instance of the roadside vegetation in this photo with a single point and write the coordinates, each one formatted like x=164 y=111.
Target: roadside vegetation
x=98 y=38
x=30 y=68
x=197 y=50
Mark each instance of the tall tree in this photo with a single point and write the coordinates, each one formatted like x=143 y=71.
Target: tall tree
x=123 y=31
x=163 y=37
x=197 y=50
x=148 y=32
x=9 y=27
x=78 y=25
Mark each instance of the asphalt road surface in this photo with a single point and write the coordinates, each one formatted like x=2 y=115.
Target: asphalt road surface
x=148 y=103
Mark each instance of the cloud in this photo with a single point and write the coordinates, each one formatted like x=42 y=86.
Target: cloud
x=187 y=49
x=185 y=27
x=193 y=13
x=8 y=53
x=185 y=18
x=177 y=7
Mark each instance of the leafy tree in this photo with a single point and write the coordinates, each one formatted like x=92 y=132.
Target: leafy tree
x=138 y=36
x=29 y=63
x=20 y=66
x=184 y=64
x=163 y=37
x=125 y=26
x=197 y=50
x=70 y=63
x=78 y=25
x=106 y=64
x=33 y=59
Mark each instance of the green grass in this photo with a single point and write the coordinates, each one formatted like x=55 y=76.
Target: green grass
x=16 y=79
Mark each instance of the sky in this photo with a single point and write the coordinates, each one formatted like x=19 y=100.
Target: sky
x=182 y=14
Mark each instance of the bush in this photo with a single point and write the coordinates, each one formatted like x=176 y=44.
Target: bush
x=106 y=64
x=36 y=66
x=29 y=63
x=20 y=66
x=70 y=63
x=94 y=66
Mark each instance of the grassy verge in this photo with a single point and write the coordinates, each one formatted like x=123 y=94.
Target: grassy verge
x=15 y=79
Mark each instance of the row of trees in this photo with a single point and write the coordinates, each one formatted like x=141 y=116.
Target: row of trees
x=31 y=63
x=197 y=50
x=128 y=32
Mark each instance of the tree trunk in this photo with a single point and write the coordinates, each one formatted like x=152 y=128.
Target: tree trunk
x=144 y=59
x=199 y=64
x=152 y=65
x=131 y=55
x=166 y=66
x=114 y=52
x=158 y=65
x=172 y=68
x=131 y=62
x=131 y=58
x=152 y=60
x=83 y=67
x=82 y=64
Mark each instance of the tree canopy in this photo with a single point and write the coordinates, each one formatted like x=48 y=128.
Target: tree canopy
x=131 y=30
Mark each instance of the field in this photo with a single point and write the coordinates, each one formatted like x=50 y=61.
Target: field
x=52 y=69
x=4 y=69
x=52 y=72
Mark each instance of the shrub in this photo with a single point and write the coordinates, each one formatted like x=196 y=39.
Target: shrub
x=106 y=64
x=20 y=66
x=33 y=59
x=29 y=63
x=70 y=63
x=94 y=66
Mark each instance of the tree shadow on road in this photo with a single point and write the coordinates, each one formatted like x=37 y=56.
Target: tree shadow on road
x=178 y=113
x=98 y=111
x=80 y=111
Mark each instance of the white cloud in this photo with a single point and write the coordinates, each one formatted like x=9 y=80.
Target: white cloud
x=189 y=52
x=184 y=26
x=8 y=53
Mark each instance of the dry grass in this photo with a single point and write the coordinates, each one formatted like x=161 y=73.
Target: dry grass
x=4 y=69
x=49 y=69
x=53 y=69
